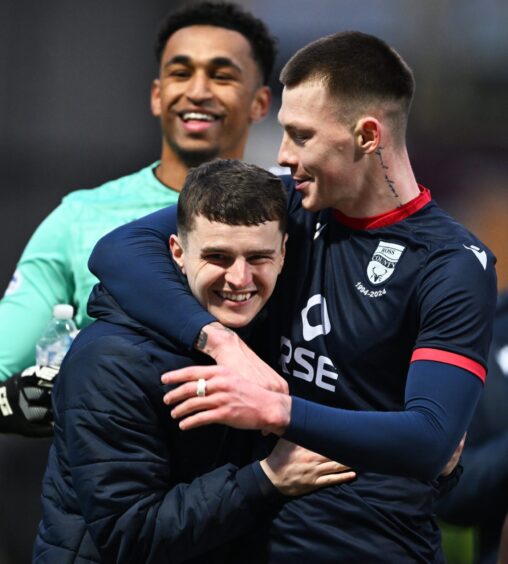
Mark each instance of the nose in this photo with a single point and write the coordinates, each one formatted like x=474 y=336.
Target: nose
x=239 y=274
x=286 y=156
x=198 y=88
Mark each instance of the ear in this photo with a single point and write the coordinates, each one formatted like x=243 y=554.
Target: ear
x=261 y=104
x=155 y=98
x=283 y=251
x=177 y=250
x=367 y=134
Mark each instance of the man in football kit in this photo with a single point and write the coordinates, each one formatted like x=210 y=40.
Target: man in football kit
x=123 y=483
x=215 y=61
x=381 y=322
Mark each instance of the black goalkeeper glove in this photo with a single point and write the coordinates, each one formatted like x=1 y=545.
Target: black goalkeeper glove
x=25 y=402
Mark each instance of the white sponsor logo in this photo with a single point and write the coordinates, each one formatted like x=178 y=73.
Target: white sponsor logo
x=319 y=228
x=306 y=365
x=312 y=331
x=303 y=363
x=14 y=284
x=479 y=254
x=383 y=262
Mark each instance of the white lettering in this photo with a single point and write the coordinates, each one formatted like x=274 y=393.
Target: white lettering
x=300 y=359
x=285 y=358
x=323 y=373
x=304 y=364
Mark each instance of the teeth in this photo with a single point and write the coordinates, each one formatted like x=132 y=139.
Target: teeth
x=236 y=297
x=197 y=116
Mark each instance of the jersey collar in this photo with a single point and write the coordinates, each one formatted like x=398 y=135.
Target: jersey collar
x=388 y=218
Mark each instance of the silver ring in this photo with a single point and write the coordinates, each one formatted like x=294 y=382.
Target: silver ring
x=201 y=388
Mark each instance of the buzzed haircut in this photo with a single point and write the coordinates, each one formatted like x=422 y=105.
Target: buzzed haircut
x=229 y=16
x=233 y=192
x=355 y=67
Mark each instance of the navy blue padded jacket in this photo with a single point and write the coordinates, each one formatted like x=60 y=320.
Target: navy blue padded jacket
x=123 y=483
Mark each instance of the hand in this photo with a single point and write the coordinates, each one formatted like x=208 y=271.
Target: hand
x=25 y=402
x=503 y=545
x=454 y=460
x=229 y=400
x=227 y=349
x=294 y=470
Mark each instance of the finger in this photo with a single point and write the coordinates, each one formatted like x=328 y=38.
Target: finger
x=189 y=373
x=193 y=405
x=334 y=479
x=200 y=419
x=183 y=392
x=331 y=467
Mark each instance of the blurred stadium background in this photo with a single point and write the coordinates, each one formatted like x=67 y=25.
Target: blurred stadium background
x=74 y=112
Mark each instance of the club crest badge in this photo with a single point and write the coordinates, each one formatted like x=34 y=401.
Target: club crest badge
x=383 y=262
x=14 y=284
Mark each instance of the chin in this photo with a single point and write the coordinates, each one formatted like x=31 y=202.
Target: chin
x=197 y=153
x=234 y=320
x=235 y=323
x=310 y=205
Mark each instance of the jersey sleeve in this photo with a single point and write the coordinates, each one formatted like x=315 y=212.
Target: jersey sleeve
x=457 y=300
x=417 y=441
x=134 y=264
x=41 y=280
x=122 y=465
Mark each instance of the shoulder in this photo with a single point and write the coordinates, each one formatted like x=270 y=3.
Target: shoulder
x=446 y=244
x=441 y=231
x=109 y=356
x=104 y=362
x=111 y=189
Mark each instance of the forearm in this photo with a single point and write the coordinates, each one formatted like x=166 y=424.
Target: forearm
x=187 y=521
x=416 y=442
x=134 y=261
x=23 y=317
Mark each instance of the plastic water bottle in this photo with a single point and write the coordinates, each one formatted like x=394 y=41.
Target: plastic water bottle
x=57 y=337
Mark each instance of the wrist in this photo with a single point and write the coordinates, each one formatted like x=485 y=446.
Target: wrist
x=270 y=474
x=214 y=338
x=280 y=412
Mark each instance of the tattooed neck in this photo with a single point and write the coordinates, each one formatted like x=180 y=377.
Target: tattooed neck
x=388 y=180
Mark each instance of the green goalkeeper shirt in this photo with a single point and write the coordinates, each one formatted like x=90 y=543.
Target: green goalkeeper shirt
x=53 y=267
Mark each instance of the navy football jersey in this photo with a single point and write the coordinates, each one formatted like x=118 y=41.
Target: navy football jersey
x=379 y=293
x=370 y=297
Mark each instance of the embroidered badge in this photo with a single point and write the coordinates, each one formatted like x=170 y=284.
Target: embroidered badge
x=383 y=262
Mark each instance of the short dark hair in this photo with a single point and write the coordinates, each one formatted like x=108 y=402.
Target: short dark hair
x=233 y=192
x=229 y=16
x=357 y=68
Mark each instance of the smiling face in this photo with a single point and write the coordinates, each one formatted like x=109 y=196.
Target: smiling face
x=208 y=93
x=317 y=147
x=231 y=269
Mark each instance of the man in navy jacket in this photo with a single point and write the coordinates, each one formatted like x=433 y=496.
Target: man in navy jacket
x=123 y=483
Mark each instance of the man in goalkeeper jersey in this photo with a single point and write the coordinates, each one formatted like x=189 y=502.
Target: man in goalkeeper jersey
x=214 y=61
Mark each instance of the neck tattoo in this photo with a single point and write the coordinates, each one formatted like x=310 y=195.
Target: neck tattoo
x=388 y=180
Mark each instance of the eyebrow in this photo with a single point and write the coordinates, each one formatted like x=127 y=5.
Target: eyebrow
x=226 y=250
x=215 y=62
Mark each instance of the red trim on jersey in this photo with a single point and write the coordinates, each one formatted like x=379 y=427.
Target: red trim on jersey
x=439 y=355
x=388 y=218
